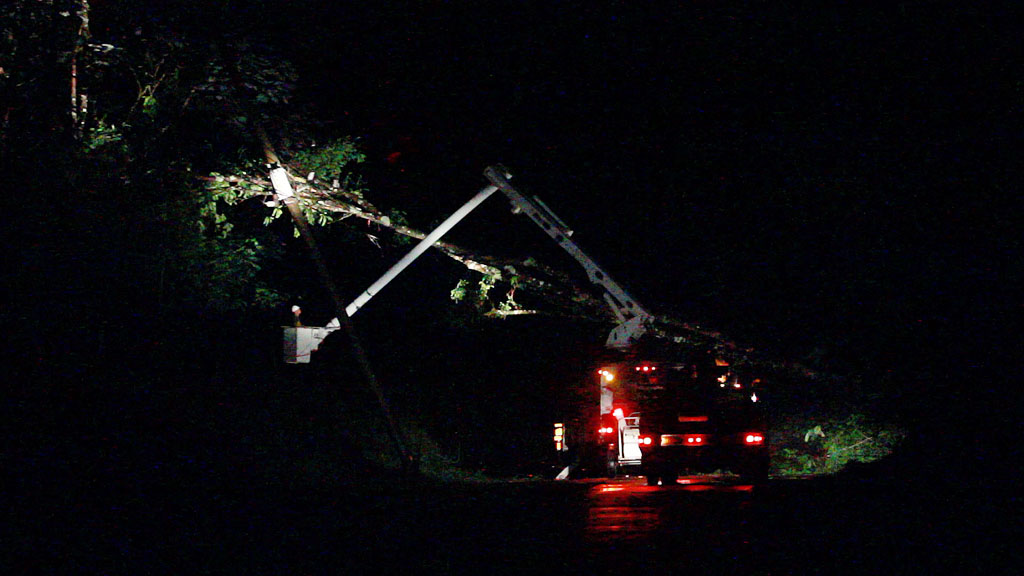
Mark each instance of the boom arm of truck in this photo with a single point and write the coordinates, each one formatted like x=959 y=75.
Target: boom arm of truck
x=633 y=318
x=300 y=342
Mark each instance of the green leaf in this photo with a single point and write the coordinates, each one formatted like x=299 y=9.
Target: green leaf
x=459 y=292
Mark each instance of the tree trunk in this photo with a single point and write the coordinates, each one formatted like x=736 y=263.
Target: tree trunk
x=79 y=97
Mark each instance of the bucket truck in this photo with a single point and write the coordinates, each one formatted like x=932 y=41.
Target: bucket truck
x=657 y=416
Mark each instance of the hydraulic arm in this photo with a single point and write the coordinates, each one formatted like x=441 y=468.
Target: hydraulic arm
x=632 y=317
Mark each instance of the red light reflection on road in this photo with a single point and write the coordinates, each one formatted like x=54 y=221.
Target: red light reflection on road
x=616 y=512
x=621 y=522
x=628 y=509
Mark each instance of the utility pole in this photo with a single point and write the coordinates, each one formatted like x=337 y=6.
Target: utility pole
x=283 y=188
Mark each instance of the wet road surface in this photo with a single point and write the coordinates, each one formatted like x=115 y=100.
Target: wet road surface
x=697 y=526
x=697 y=521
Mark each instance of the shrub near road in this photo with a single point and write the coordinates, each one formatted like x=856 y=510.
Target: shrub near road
x=824 y=445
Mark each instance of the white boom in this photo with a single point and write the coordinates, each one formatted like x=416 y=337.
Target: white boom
x=632 y=317
x=300 y=342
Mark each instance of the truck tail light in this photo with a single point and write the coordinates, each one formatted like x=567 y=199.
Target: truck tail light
x=605 y=430
x=684 y=439
x=753 y=439
x=646 y=441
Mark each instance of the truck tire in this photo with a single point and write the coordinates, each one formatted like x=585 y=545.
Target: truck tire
x=652 y=480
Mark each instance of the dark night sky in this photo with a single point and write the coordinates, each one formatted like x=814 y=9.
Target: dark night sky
x=839 y=178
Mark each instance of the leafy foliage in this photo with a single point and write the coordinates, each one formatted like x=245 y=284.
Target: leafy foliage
x=398 y=218
x=328 y=163
x=459 y=292
x=481 y=296
x=806 y=447
x=790 y=461
x=222 y=265
x=487 y=281
x=104 y=135
x=158 y=102
x=509 y=304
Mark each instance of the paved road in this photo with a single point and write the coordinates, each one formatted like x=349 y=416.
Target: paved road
x=697 y=526
x=583 y=527
x=696 y=522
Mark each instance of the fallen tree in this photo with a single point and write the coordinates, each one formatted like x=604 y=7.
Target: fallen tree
x=331 y=201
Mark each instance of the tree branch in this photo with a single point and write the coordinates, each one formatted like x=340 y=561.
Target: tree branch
x=558 y=289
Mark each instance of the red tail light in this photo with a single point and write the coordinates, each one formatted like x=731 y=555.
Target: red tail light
x=646 y=440
x=753 y=439
x=684 y=439
x=605 y=430
x=693 y=439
